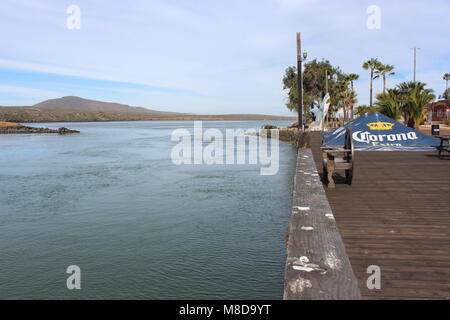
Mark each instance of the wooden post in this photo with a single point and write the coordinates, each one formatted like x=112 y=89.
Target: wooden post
x=299 y=82
x=330 y=169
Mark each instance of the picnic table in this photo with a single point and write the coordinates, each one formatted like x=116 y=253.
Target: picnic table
x=444 y=146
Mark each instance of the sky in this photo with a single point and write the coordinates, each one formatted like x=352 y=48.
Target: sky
x=209 y=56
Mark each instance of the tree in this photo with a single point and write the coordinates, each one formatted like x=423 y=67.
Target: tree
x=363 y=109
x=314 y=81
x=446 y=95
x=446 y=92
x=346 y=97
x=371 y=65
x=314 y=84
x=384 y=70
x=447 y=79
x=349 y=99
x=415 y=98
x=290 y=83
x=390 y=104
x=352 y=77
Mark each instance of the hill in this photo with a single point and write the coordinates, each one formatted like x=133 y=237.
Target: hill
x=86 y=105
x=75 y=109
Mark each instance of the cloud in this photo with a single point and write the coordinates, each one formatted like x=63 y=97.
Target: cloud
x=30 y=92
x=64 y=71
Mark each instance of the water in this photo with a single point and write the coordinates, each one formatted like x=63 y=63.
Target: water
x=111 y=201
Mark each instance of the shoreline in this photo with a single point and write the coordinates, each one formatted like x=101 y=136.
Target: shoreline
x=31 y=115
x=155 y=120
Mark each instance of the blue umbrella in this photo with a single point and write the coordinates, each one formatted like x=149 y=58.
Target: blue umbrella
x=376 y=132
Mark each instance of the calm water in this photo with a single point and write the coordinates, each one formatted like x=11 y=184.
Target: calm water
x=110 y=201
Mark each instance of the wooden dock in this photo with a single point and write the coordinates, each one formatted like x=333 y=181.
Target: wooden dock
x=317 y=266
x=396 y=215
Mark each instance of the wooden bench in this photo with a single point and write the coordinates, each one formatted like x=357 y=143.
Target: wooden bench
x=339 y=158
x=444 y=146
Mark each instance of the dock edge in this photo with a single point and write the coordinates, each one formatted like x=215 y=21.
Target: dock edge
x=317 y=265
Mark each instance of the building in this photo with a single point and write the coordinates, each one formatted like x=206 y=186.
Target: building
x=440 y=110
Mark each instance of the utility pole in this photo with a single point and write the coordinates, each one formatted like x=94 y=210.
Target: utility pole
x=299 y=82
x=415 y=61
x=326 y=82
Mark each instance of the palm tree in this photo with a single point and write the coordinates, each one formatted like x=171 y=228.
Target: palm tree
x=390 y=104
x=363 y=109
x=371 y=65
x=348 y=99
x=352 y=77
x=333 y=109
x=416 y=98
x=384 y=70
x=446 y=95
x=341 y=88
x=447 y=79
x=345 y=96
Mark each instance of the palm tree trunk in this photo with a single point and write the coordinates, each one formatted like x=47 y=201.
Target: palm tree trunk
x=371 y=86
x=347 y=113
x=384 y=83
x=351 y=107
x=411 y=122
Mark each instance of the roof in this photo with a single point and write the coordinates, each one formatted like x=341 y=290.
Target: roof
x=441 y=103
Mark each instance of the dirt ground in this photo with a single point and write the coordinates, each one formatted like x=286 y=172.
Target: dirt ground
x=445 y=130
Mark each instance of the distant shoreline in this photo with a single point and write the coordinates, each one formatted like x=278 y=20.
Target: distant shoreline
x=76 y=109
x=171 y=119
x=29 y=115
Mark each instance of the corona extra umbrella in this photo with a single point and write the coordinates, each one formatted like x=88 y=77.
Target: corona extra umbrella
x=376 y=132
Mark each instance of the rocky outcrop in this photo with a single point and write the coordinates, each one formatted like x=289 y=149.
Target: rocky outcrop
x=268 y=127
x=288 y=134
x=30 y=130
x=66 y=131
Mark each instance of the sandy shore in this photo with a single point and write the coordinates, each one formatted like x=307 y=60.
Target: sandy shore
x=9 y=124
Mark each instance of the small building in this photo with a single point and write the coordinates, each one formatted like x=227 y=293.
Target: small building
x=439 y=111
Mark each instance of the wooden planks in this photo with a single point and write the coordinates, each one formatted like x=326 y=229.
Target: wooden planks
x=317 y=265
x=396 y=215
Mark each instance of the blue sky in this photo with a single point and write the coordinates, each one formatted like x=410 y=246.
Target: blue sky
x=207 y=56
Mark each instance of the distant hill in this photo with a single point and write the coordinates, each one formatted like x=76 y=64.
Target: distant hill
x=75 y=109
x=80 y=104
